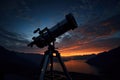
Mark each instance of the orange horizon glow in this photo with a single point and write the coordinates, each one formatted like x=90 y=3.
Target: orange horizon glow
x=69 y=52
x=89 y=51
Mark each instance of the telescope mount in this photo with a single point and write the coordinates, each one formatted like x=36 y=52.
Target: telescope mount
x=49 y=55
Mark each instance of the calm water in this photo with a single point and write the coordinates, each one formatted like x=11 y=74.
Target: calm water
x=77 y=66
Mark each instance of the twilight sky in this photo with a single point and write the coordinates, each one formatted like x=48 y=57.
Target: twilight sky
x=98 y=21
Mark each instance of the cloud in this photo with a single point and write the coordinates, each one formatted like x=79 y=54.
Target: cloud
x=11 y=39
x=102 y=28
x=95 y=47
x=96 y=36
x=91 y=31
x=17 y=42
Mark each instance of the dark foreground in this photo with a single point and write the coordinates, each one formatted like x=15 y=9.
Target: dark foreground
x=74 y=76
x=57 y=76
x=108 y=64
x=18 y=66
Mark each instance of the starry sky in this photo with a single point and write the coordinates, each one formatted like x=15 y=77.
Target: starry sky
x=98 y=24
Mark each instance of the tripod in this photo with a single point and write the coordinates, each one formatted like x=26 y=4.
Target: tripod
x=45 y=61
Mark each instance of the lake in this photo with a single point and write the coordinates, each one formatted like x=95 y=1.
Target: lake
x=79 y=66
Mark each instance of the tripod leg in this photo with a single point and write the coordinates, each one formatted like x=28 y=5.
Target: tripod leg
x=63 y=66
x=51 y=67
x=41 y=64
x=43 y=69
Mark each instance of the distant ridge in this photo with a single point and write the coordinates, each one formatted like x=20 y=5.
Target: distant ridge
x=2 y=49
x=19 y=63
x=20 y=66
x=112 y=55
x=108 y=63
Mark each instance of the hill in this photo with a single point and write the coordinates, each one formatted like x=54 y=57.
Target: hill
x=18 y=63
x=20 y=66
x=108 y=64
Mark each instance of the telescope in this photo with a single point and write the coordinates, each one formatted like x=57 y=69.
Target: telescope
x=46 y=36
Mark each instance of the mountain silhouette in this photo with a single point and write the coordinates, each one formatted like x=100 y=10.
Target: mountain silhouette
x=108 y=64
x=21 y=66
x=19 y=63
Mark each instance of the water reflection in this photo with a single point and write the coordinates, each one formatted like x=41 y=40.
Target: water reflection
x=77 y=66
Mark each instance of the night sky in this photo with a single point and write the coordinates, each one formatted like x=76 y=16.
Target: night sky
x=98 y=21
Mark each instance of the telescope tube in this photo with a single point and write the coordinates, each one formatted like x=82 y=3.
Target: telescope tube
x=65 y=25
